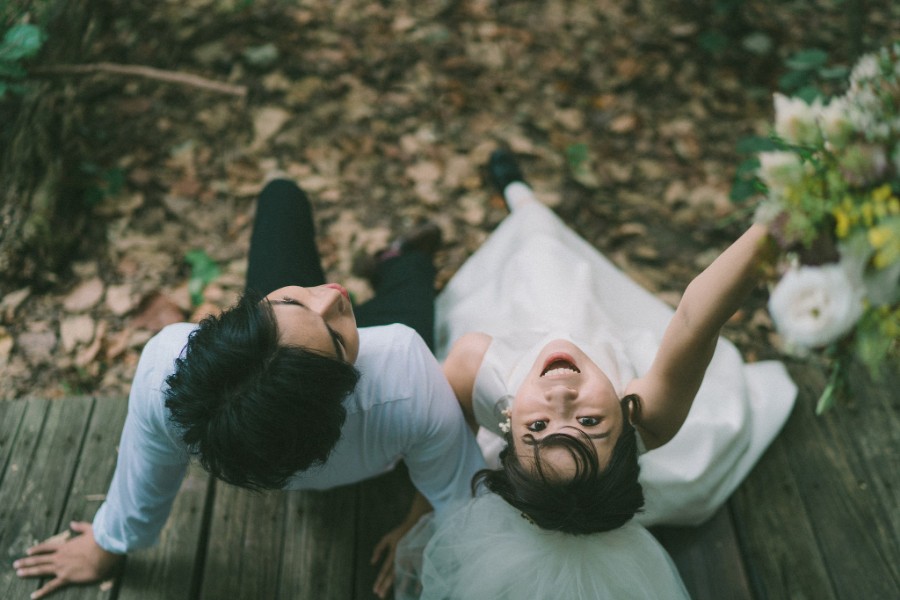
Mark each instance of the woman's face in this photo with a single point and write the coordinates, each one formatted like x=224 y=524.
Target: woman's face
x=565 y=392
x=318 y=318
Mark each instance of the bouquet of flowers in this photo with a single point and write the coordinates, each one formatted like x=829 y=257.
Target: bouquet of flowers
x=833 y=206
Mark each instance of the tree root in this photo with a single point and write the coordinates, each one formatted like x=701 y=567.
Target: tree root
x=146 y=72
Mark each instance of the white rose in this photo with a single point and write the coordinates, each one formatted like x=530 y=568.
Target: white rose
x=795 y=120
x=814 y=306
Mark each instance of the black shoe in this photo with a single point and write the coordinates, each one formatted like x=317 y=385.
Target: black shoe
x=503 y=170
x=425 y=238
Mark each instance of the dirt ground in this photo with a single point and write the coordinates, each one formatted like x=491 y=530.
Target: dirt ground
x=626 y=116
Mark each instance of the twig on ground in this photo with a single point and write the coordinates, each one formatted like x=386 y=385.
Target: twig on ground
x=142 y=71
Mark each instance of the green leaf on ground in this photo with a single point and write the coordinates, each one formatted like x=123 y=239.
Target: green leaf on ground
x=204 y=271
x=21 y=41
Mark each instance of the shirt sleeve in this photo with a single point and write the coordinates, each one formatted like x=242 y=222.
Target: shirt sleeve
x=151 y=462
x=442 y=455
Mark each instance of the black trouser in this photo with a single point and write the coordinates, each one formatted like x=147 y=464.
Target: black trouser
x=283 y=252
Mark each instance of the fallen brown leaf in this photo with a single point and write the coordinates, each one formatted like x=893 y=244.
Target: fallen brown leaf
x=155 y=312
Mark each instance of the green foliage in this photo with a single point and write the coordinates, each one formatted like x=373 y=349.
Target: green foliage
x=876 y=337
x=19 y=43
x=204 y=270
x=746 y=184
x=834 y=389
x=806 y=71
x=578 y=157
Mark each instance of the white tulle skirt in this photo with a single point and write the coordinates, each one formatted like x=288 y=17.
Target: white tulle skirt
x=488 y=550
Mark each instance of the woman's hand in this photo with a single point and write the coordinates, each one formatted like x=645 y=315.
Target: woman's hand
x=67 y=560
x=388 y=544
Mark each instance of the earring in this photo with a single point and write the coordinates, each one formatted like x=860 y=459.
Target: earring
x=505 y=424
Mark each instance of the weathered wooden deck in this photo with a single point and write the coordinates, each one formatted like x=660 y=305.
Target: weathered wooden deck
x=818 y=518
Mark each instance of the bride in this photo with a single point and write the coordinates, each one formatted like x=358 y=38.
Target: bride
x=602 y=410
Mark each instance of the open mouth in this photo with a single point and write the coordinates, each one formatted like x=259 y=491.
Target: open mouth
x=559 y=364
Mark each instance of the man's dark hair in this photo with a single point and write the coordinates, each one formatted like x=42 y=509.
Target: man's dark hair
x=252 y=411
x=592 y=501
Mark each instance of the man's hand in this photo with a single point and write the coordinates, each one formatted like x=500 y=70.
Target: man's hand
x=67 y=560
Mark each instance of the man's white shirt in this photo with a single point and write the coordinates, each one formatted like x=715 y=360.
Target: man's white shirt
x=402 y=409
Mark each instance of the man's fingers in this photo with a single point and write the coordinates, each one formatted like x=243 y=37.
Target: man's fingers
x=33 y=561
x=44 y=547
x=79 y=526
x=36 y=570
x=51 y=543
x=48 y=588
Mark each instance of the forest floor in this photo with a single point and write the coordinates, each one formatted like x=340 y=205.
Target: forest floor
x=626 y=116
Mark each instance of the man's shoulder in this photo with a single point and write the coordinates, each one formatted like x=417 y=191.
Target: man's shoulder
x=390 y=343
x=170 y=339
x=395 y=335
x=177 y=329
x=146 y=400
x=394 y=363
x=160 y=352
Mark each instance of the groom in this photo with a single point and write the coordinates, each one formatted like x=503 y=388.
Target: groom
x=283 y=391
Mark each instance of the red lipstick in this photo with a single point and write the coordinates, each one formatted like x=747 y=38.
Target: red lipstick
x=340 y=288
x=559 y=360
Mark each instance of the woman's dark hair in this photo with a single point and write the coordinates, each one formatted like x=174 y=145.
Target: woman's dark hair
x=252 y=411
x=592 y=501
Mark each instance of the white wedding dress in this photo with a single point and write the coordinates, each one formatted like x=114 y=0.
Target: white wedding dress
x=535 y=280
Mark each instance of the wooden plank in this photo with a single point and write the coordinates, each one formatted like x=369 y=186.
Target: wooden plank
x=38 y=479
x=383 y=503
x=97 y=460
x=25 y=442
x=172 y=569
x=838 y=497
x=245 y=542
x=822 y=527
x=869 y=427
x=96 y=464
x=319 y=544
x=11 y=414
x=777 y=534
x=708 y=557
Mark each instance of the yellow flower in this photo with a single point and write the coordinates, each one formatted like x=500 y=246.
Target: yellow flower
x=842 y=225
x=894 y=206
x=882 y=193
x=867 y=213
x=879 y=236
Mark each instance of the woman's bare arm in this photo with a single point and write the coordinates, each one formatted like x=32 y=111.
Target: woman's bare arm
x=461 y=367
x=668 y=389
